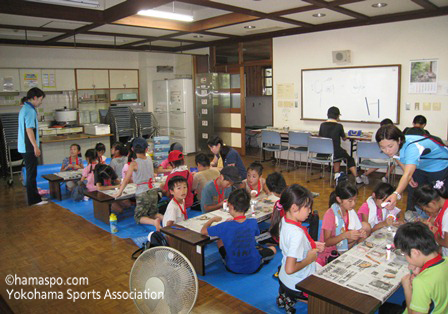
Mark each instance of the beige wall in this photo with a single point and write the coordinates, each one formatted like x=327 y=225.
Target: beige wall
x=392 y=43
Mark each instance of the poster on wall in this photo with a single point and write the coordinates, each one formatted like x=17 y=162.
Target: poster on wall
x=30 y=80
x=423 y=77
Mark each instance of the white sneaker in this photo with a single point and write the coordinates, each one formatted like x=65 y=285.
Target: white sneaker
x=40 y=203
x=359 y=180
x=365 y=179
x=384 y=179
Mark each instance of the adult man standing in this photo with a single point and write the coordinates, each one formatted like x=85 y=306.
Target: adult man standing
x=28 y=142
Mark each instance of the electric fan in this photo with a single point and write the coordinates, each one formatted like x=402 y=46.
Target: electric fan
x=165 y=279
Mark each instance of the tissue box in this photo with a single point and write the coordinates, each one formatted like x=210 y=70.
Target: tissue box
x=97 y=129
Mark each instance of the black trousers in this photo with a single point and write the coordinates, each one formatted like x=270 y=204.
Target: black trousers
x=31 y=174
x=422 y=177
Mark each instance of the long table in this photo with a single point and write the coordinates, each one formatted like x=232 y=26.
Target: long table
x=350 y=288
x=192 y=243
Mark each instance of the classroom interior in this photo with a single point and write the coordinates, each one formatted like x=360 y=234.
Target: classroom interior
x=52 y=241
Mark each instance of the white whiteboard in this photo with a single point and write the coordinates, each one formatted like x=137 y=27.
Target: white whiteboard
x=362 y=94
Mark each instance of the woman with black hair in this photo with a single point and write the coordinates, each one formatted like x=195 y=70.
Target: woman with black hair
x=28 y=142
x=423 y=160
x=225 y=156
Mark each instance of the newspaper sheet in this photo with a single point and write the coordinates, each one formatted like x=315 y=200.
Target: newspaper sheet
x=364 y=268
x=129 y=190
x=263 y=210
x=70 y=175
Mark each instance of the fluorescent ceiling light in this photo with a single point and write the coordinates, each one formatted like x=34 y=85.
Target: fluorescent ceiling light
x=166 y=15
x=379 y=5
x=85 y=3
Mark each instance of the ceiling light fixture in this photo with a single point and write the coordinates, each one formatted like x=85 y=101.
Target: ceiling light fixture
x=167 y=15
x=85 y=3
x=379 y=5
x=319 y=15
x=250 y=27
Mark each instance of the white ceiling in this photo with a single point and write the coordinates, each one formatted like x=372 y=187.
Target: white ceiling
x=265 y=6
x=307 y=17
x=262 y=26
x=393 y=6
x=202 y=37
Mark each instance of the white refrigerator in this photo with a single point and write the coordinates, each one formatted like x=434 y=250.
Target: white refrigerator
x=174 y=110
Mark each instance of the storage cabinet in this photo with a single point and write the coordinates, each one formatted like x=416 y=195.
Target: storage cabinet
x=65 y=79
x=9 y=80
x=92 y=79
x=123 y=78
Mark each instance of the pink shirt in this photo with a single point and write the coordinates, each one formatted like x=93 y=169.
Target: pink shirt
x=124 y=170
x=328 y=223
x=90 y=177
x=165 y=164
x=364 y=209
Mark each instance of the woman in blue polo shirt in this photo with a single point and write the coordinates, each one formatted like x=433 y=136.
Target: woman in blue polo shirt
x=225 y=156
x=28 y=142
x=422 y=159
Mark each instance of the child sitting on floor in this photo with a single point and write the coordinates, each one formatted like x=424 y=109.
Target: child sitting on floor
x=142 y=172
x=433 y=199
x=237 y=244
x=427 y=284
x=119 y=158
x=341 y=227
x=131 y=157
x=107 y=179
x=298 y=248
x=74 y=162
x=376 y=215
x=165 y=166
x=176 y=210
x=254 y=180
x=176 y=159
x=101 y=149
x=87 y=174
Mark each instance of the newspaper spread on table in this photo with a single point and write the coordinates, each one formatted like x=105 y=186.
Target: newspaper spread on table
x=364 y=268
x=70 y=175
x=129 y=190
x=263 y=210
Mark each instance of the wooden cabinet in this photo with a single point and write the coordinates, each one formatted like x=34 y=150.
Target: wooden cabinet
x=65 y=79
x=254 y=81
x=30 y=78
x=123 y=78
x=9 y=80
x=92 y=79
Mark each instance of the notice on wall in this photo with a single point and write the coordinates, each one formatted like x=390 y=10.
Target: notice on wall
x=423 y=77
x=48 y=80
x=285 y=91
x=30 y=80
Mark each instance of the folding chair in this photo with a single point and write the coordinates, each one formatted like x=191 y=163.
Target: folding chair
x=297 y=143
x=321 y=145
x=370 y=150
x=273 y=142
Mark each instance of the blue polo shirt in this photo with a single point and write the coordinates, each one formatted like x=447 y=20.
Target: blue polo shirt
x=210 y=196
x=27 y=120
x=425 y=154
x=242 y=256
x=234 y=158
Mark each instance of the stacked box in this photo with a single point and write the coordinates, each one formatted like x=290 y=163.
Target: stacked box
x=161 y=149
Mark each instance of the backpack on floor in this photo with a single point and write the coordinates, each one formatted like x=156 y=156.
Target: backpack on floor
x=156 y=238
x=78 y=192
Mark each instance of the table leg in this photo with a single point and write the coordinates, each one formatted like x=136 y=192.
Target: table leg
x=55 y=190
x=195 y=253
x=317 y=305
x=101 y=211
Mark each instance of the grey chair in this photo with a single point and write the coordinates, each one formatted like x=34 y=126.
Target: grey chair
x=324 y=146
x=370 y=150
x=297 y=143
x=271 y=141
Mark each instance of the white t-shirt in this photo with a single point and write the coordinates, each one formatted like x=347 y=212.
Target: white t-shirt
x=445 y=229
x=294 y=243
x=173 y=213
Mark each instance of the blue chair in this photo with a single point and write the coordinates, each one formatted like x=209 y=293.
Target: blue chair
x=370 y=150
x=297 y=143
x=321 y=145
x=271 y=141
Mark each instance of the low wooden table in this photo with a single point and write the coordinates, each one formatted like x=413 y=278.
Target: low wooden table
x=55 y=184
x=101 y=205
x=327 y=297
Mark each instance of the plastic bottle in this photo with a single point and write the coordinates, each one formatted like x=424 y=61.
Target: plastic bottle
x=113 y=223
x=224 y=206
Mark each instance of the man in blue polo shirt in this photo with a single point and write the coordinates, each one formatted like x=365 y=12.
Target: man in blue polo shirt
x=28 y=142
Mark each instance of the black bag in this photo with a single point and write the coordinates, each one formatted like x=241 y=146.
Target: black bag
x=78 y=192
x=156 y=239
